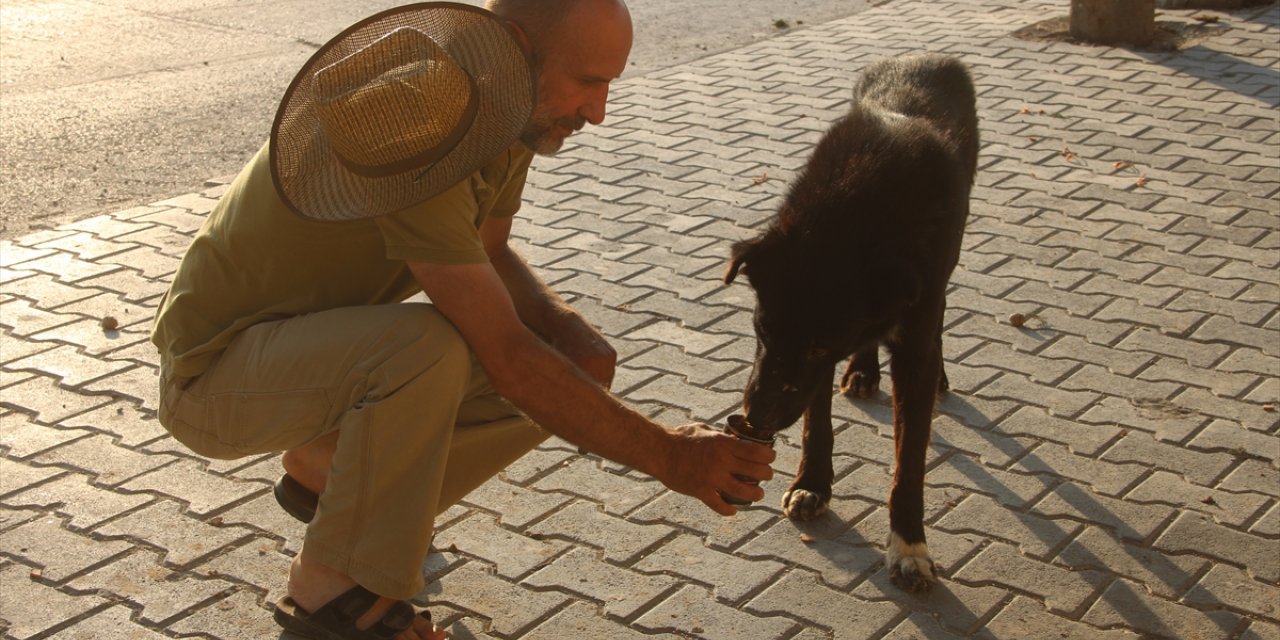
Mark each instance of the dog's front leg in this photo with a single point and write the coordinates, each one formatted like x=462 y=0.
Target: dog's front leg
x=915 y=367
x=810 y=494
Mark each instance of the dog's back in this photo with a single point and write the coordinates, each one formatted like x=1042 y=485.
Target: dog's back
x=936 y=88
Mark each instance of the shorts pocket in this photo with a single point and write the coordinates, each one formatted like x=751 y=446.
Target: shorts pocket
x=263 y=422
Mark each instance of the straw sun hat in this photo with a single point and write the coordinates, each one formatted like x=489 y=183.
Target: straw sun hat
x=397 y=108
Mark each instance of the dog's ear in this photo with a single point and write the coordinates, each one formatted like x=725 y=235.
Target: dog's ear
x=737 y=259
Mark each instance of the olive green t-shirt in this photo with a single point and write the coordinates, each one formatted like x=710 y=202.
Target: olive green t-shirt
x=254 y=260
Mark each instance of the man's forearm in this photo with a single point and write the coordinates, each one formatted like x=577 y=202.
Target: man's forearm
x=540 y=308
x=565 y=401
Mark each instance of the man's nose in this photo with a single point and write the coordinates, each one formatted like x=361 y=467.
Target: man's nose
x=593 y=110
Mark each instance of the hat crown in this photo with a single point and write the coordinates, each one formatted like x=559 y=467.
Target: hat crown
x=394 y=103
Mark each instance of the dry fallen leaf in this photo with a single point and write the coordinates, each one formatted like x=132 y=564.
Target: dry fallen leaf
x=1122 y=164
x=760 y=178
x=806 y=538
x=1140 y=182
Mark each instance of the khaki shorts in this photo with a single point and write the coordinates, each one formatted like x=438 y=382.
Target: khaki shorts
x=419 y=426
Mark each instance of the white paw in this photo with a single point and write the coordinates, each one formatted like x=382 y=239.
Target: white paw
x=910 y=567
x=799 y=504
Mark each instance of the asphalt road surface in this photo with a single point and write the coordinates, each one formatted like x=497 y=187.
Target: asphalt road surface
x=108 y=104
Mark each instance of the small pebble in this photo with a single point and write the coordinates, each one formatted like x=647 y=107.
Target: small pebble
x=1017 y=319
x=109 y=323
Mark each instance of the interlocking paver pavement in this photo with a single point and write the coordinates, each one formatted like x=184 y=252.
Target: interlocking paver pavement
x=1110 y=469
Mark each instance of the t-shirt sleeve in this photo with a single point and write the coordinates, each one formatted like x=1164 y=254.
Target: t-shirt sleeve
x=507 y=203
x=442 y=230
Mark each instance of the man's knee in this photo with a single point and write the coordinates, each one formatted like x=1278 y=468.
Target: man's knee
x=422 y=342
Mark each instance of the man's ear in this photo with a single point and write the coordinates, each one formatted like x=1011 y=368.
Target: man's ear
x=737 y=258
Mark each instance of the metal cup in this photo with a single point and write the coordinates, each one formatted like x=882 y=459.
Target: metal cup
x=738 y=427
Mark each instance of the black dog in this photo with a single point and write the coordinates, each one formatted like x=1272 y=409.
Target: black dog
x=859 y=254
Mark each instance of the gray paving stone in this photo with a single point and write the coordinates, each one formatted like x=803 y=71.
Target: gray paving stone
x=55 y=551
x=580 y=620
x=583 y=523
x=801 y=594
x=140 y=579
x=959 y=607
x=100 y=457
x=22 y=438
x=187 y=481
x=183 y=538
x=113 y=622
x=31 y=606
x=1233 y=588
x=1195 y=533
x=1227 y=507
x=1163 y=420
x=1259 y=630
x=47 y=293
x=677 y=510
x=617 y=494
x=840 y=561
x=69 y=366
x=67 y=268
x=261 y=562
x=236 y=616
x=1062 y=590
x=122 y=420
x=1198 y=467
x=508 y=608
x=1125 y=603
x=1254 y=476
x=25 y=319
x=1082 y=438
x=1012 y=489
x=692 y=612
x=1033 y=533
x=622 y=591
x=1024 y=617
x=1129 y=519
x=511 y=553
x=730 y=578
x=1051 y=460
x=514 y=505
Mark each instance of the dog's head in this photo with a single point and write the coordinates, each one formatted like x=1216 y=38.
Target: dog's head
x=815 y=306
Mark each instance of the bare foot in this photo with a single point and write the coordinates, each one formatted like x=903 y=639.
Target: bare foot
x=312 y=585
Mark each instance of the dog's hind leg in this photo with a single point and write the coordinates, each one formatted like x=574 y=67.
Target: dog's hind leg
x=810 y=494
x=862 y=378
x=915 y=366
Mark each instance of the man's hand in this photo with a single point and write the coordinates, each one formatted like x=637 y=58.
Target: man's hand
x=703 y=462
x=583 y=345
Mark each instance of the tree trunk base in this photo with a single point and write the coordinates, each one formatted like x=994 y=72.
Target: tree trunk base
x=1114 y=21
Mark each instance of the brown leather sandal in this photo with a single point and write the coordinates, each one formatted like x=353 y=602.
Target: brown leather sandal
x=336 y=620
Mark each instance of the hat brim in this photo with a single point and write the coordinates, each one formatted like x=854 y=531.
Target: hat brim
x=306 y=171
